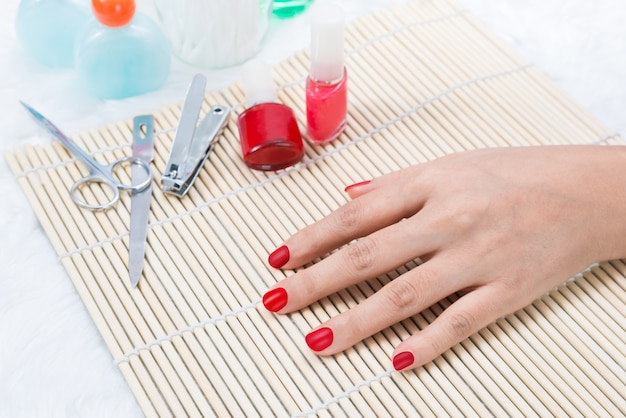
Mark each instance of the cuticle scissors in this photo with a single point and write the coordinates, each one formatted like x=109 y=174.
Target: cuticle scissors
x=98 y=173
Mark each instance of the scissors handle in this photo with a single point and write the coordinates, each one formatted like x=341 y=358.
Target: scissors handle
x=103 y=174
x=87 y=181
x=134 y=186
x=109 y=181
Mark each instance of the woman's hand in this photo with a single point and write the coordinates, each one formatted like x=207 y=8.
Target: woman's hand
x=500 y=226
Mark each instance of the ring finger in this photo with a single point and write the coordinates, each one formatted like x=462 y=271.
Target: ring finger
x=399 y=299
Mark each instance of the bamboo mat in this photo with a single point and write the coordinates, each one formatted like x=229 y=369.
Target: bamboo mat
x=194 y=340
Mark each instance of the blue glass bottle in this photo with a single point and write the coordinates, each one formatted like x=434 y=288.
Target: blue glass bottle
x=115 y=62
x=47 y=29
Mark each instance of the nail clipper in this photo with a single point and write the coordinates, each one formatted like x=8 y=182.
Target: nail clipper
x=192 y=145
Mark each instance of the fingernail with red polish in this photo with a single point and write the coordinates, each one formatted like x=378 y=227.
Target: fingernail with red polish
x=352 y=186
x=319 y=339
x=279 y=257
x=403 y=360
x=275 y=299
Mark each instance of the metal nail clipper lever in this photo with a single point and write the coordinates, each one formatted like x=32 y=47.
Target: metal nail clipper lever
x=192 y=145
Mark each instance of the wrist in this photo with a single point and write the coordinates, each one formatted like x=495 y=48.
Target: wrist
x=609 y=193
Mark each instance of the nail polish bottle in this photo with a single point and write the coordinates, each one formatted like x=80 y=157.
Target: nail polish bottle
x=268 y=130
x=327 y=84
x=120 y=53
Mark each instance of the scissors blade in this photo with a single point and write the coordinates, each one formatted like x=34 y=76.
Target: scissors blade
x=64 y=139
x=143 y=148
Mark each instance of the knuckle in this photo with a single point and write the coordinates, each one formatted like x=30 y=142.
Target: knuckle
x=467 y=217
x=311 y=283
x=432 y=346
x=460 y=325
x=303 y=288
x=361 y=255
x=401 y=294
x=350 y=215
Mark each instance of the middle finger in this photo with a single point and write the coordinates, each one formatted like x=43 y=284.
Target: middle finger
x=369 y=257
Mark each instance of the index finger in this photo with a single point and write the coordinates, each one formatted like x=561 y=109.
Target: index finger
x=384 y=204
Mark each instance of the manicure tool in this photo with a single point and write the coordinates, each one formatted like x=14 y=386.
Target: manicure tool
x=98 y=173
x=143 y=148
x=192 y=144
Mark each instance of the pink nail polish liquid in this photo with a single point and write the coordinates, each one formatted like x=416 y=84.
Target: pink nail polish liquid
x=327 y=84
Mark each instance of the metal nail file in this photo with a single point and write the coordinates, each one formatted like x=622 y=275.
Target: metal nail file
x=192 y=144
x=142 y=148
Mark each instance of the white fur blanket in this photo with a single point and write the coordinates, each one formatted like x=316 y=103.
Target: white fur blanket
x=53 y=362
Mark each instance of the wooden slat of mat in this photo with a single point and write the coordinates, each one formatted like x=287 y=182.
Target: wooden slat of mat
x=425 y=80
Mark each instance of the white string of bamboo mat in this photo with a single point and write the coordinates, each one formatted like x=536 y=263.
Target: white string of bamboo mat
x=313 y=160
x=325 y=405
x=261 y=183
x=518 y=366
x=301 y=165
x=303 y=78
x=70 y=160
x=190 y=328
x=299 y=80
x=281 y=87
x=344 y=394
x=314 y=409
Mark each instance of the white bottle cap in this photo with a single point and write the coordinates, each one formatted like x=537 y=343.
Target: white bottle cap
x=257 y=82
x=327 y=27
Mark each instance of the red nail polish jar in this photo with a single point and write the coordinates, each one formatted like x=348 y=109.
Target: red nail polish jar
x=268 y=130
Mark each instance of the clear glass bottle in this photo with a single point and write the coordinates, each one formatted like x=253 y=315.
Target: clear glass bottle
x=121 y=54
x=47 y=29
